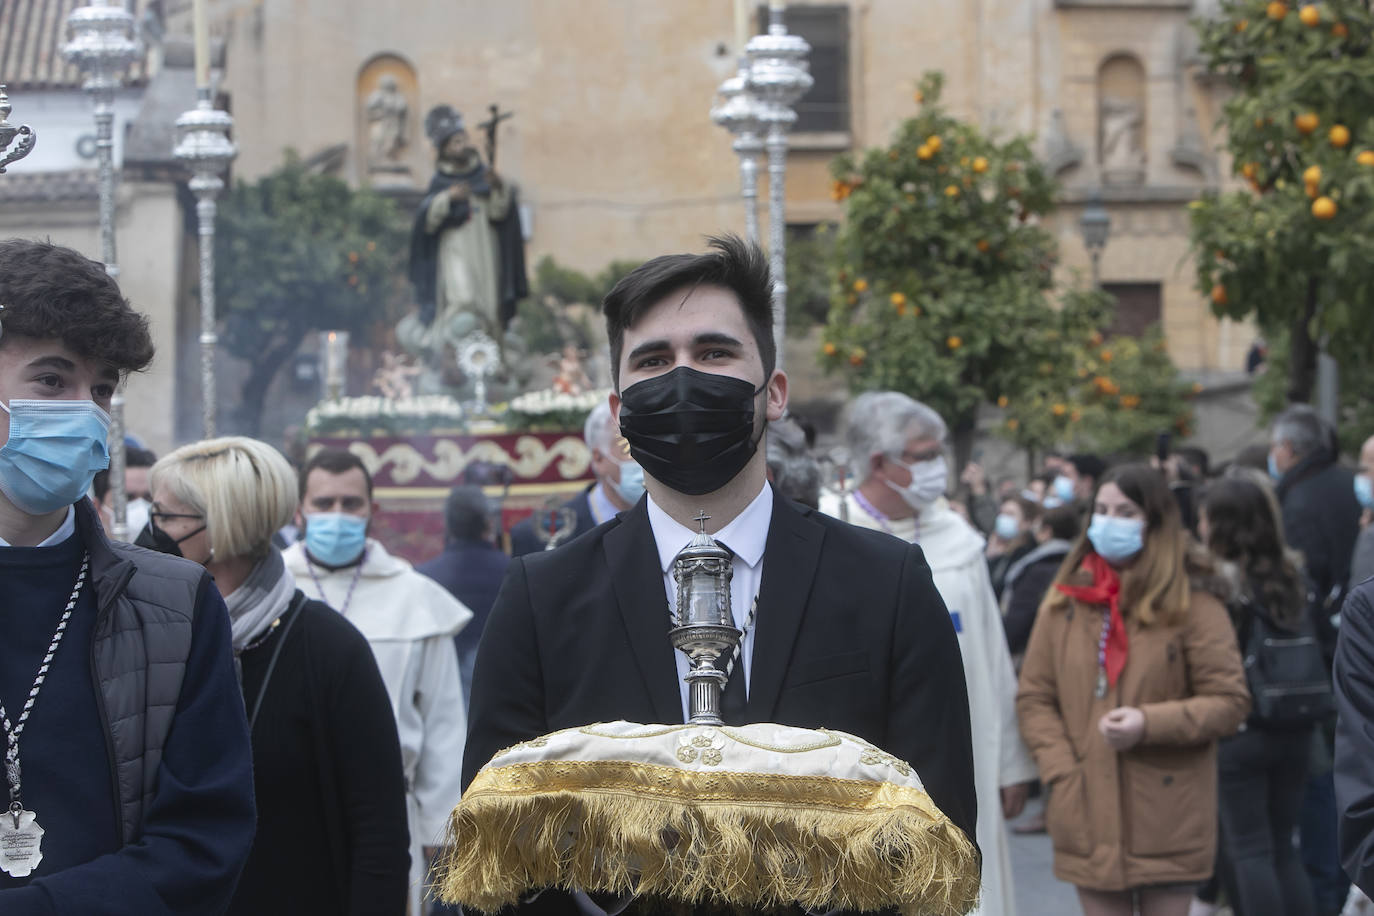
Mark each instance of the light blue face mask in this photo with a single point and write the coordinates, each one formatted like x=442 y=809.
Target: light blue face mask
x=1007 y=527
x=53 y=453
x=335 y=538
x=1274 y=472
x=631 y=486
x=1364 y=492
x=1116 y=540
x=1063 y=489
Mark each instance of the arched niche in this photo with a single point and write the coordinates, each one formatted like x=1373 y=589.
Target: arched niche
x=1121 y=120
x=388 y=94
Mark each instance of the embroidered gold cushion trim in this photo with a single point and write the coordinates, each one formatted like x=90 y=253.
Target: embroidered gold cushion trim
x=696 y=814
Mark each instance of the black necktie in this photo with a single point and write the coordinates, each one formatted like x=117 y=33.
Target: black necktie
x=733 y=701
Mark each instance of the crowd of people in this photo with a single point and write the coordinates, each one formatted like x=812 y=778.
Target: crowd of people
x=259 y=709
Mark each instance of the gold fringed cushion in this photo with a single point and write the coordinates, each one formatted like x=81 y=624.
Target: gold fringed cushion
x=757 y=817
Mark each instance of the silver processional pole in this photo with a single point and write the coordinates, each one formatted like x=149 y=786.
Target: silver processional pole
x=204 y=145
x=27 y=137
x=101 y=44
x=738 y=112
x=778 y=77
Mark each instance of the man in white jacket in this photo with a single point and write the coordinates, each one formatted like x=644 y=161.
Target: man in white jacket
x=896 y=449
x=409 y=620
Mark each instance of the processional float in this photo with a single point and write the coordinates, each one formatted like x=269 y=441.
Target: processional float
x=755 y=817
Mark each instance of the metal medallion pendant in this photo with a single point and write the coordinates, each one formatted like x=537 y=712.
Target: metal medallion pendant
x=1101 y=683
x=20 y=842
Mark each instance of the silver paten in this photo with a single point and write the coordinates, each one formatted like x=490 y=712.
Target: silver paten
x=25 y=133
x=705 y=626
x=102 y=43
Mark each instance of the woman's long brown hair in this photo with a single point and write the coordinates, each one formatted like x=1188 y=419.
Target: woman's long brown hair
x=1155 y=587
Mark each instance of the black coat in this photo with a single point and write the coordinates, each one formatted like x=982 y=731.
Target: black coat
x=472 y=572
x=523 y=538
x=1027 y=584
x=1321 y=518
x=851 y=635
x=1354 y=682
x=332 y=835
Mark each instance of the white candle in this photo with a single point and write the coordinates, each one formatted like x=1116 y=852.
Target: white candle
x=202 y=29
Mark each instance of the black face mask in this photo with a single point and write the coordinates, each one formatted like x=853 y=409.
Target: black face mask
x=154 y=538
x=691 y=431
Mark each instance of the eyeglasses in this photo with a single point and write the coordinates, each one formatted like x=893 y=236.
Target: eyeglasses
x=157 y=516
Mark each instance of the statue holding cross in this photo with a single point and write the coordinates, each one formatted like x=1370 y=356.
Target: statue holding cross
x=467 y=253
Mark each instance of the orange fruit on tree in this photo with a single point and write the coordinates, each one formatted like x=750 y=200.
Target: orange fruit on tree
x=1340 y=30
x=1276 y=10
x=829 y=349
x=1339 y=135
x=1312 y=174
x=1250 y=170
x=1002 y=401
x=1312 y=191
x=1242 y=25
x=919 y=96
x=980 y=165
x=952 y=190
x=984 y=245
x=860 y=285
x=1366 y=157
x=1306 y=122
x=924 y=152
x=1324 y=208
x=934 y=142
x=1059 y=410
x=1310 y=16
x=897 y=299
x=1219 y=296
x=857 y=356
x=954 y=343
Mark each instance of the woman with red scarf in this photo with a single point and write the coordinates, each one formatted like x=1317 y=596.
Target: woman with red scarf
x=1131 y=675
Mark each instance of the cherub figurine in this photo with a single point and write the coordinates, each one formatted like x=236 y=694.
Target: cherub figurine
x=395 y=379
x=571 y=377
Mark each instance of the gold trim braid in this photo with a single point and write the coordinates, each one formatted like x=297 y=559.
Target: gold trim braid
x=725 y=838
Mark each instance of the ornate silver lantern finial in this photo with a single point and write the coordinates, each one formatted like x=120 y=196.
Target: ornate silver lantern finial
x=705 y=629
x=25 y=133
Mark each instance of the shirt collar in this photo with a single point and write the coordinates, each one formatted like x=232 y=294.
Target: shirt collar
x=64 y=531
x=603 y=509
x=746 y=535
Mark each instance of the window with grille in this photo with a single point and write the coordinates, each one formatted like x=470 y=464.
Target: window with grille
x=825 y=108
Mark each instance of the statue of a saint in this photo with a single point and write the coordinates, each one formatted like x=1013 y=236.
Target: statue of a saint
x=467 y=254
x=387 y=110
x=1122 y=154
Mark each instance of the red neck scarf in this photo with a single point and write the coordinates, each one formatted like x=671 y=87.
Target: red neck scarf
x=1106 y=589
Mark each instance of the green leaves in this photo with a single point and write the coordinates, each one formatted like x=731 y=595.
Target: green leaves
x=941 y=287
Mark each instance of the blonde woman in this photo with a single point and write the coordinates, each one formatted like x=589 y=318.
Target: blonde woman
x=327 y=763
x=1131 y=676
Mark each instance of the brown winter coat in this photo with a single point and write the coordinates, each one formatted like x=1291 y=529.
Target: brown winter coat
x=1146 y=816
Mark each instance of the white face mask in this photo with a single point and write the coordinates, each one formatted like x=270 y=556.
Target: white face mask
x=136 y=515
x=928 y=481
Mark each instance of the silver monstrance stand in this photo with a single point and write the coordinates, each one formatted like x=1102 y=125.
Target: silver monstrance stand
x=705 y=629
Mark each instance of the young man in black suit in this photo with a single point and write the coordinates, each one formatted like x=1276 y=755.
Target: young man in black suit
x=843 y=627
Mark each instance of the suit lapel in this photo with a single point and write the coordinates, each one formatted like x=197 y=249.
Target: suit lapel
x=790 y=557
x=632 y=557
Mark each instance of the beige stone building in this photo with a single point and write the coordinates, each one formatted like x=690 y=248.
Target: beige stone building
x=617 y=158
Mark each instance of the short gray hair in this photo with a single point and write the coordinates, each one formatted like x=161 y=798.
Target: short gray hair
x=796 y=474
x=597 y=430
x=1302 y=428
x=880 y=423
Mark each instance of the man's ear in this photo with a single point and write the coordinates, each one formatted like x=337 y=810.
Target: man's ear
x=777 y=395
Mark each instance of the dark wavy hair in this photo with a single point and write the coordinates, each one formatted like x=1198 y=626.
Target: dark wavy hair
x=1243 y=528
x=733 y=263
x=54 y=293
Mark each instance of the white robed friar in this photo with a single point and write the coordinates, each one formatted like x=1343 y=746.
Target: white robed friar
x=954 y=551
x=409 y=620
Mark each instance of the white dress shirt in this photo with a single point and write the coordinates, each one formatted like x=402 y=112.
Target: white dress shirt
x=746 y=535
x=64 y=531
x=600 y=504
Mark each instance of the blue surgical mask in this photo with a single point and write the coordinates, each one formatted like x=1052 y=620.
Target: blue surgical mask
x=1364 y=492
x=631 y=486
x=1007 y=527
x=1274 y=471
x=1116 y=540
x=335 y=538
x=1063 y=489
x=53 y=453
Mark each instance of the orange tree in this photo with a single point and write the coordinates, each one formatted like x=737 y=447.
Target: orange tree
x=1295 y=250
x=942 y=289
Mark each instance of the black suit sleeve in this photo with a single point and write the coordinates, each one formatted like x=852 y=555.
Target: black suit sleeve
x=507 y=704
x=928 y=718
x=1354 y=682
x=371 y=780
